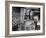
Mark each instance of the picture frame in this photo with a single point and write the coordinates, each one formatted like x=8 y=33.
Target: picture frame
x=11 y=6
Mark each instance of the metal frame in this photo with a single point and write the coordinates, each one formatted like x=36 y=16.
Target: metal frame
x=7 y=18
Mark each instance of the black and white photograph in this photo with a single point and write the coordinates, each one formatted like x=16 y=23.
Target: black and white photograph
x=25 y=18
